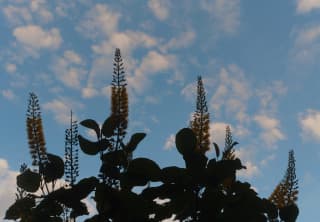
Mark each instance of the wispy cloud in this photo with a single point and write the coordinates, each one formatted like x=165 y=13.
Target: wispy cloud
x=305 y=6
x=60 y=108
x=160 y=8
x=225 y=12
x=310 y=124
x=170 y=142
x=69 y=69
x=271 y=132
x=8 y=94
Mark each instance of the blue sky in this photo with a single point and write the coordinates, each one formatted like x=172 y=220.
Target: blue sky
x=258 y=60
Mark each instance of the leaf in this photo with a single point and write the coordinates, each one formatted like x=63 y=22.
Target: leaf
x=145 y=168
x=19 y=208
x=134 y=141
x=91 y=124
x=186 y=141
x=114 y=158
x=91 y=148
x=109 y=126
x=217 y=149
x=54 y=169
x=175 y=174
x=29 y=181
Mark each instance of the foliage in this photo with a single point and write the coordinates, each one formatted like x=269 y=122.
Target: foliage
x=201 y=121
x=203 y=190
x=286 y=192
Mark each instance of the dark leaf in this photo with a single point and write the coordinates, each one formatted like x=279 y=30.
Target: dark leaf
x=29 y=181
x=186 y=141
x=54 y=169
x=134 y=141
x=217 y=149
x=19 y=208
x=91 y=124
x=146 y=168
x=114 y=158
x=89 y=147
x=109 y=126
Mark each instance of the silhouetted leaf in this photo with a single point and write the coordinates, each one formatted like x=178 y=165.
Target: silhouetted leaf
x=186 y=141
x=217 y=149
x=20 y=208
x=29 y=181
x=289 y=213
x=134 y=141
x=115 y=158
x=109 y=125
x=92 y=148
x=175 y=175
x=54 y=168
x=79 y=210
x=91 y=124
x=144 y=167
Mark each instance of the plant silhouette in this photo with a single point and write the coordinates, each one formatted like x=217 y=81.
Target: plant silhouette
x=203 y=190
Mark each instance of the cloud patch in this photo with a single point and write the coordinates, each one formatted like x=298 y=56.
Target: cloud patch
x=8 y=186
x=35 y=37
x=271 y=132
x=310 y=124
x=306 y=6
x=159 y=8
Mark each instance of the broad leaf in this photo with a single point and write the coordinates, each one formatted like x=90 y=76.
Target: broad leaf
x=92 y=148
x=91 y=124
x=29 y=181
x=19 y=208
x=54 y=169
x=134 y=141
x=145 y=168
x=217 y=149
x=109 y=126
x=186 y=141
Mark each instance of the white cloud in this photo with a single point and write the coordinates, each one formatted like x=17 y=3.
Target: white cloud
x=310 y=124
x=17 y=15
x=127 y=41
x=271 y=132
x=250 y=171
x=232 y=93
x=69 y=69
x=34 y=37
x=170 y=142
x=307 y=44
x=190 y=91
x=225 y=12
x=8 y=94
x=88 y=92
x=267 y=159
x=99 y=21
x=8 y=186
x=246 y=156
x=159 y=8
x=218 y=133
x=11 y=68
x=185 y=39
x=61 y=107
x=269 y=95
x=153 y=63
x=305 y=6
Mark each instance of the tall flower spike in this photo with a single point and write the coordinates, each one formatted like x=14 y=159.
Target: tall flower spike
x=119 y=99
x=71 y=166
x=228 y=153
x=286 y=192
x=200 y=122
x=35 y=132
